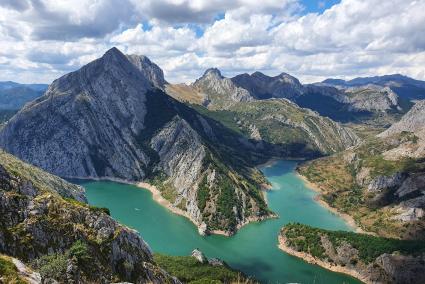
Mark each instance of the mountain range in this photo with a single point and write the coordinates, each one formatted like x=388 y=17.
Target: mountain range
x=380 y=100
x=200 y=144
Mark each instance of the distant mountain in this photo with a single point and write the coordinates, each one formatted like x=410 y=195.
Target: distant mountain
x=262 y=86
x=218 y=91
x=404 y=86
x=109 y=120
x=14 y=95
x=377 y=104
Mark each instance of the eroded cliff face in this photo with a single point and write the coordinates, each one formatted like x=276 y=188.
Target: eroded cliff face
x=42 y=214
x=110 y=120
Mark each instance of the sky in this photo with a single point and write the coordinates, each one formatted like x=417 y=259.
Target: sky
x=41 y=40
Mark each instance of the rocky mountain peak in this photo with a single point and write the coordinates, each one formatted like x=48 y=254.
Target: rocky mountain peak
x=258 y=74
x=212 y=72
x=220 y=91
x=149 y=69
x=113 y=56
x=285 y=77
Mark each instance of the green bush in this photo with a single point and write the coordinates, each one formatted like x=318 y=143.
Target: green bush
x=54 y=265
x=80 y=252
x=51 y=266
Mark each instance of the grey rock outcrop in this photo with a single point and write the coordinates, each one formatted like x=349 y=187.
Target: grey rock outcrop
x=384 y=182
x=373 y=98
x=220 y=92
x=413 y=121
x=102 y=104
x=199 y=256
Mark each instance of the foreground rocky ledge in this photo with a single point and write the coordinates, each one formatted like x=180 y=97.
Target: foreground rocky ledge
x=368 y=258
x=45 y=222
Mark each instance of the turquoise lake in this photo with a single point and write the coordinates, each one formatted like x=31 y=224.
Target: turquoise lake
x=252 y=250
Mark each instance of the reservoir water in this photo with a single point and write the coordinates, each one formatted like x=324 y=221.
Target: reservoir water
x=252 y=250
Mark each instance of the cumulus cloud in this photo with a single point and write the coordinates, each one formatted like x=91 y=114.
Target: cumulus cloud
x=42 y=39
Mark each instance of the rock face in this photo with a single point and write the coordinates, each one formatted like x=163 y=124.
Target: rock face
x=373 y=99
x=108 y=120
x=47 y=220
x=220 y=92
x=102 y=104
x=149 y=70
x=372 y=103
x=200 y=256
x=413 y=121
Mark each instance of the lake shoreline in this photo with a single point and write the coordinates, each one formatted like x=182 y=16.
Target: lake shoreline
x=312 y=260
x=347 y=218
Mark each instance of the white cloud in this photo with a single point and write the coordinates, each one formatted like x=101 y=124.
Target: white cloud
x=42 y=39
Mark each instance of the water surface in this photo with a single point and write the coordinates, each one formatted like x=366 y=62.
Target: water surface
x=253 y=249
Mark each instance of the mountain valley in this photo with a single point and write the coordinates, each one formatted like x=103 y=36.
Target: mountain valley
x=200 y=145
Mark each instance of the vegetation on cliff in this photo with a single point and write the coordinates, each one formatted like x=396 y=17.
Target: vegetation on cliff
x=308 y=239
x=191 y=271
x=45 y=221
